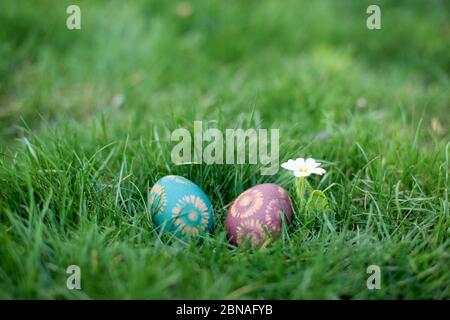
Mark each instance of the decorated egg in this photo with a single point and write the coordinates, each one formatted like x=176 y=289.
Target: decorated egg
x=257 y=214
x=180 y=207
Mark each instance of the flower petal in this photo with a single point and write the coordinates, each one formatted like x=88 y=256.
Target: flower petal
x=319 y=171
x=311 y=163
x=290 y=165
x=300 y=162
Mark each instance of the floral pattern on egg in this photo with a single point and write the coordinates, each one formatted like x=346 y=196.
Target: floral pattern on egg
x=180 y=207
x=247 y=204
x=256 y=214
x=158 y=198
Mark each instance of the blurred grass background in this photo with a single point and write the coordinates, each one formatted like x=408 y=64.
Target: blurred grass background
x=85 y=114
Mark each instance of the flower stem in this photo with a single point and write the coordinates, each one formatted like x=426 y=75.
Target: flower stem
x=301 y=189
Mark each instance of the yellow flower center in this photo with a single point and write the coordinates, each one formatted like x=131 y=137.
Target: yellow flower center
x=302 y=169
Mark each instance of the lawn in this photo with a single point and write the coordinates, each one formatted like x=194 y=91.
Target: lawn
x=86 y=116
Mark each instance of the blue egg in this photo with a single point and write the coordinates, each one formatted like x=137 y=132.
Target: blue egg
x=180 y=207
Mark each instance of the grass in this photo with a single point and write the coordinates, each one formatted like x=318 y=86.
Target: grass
x=76 y=166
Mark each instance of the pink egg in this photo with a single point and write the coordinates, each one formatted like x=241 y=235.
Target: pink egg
x=257 y=214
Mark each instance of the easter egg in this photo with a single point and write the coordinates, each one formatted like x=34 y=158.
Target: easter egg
x=257 y=214
x=180 y=207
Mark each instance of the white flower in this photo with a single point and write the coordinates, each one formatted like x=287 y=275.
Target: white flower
x=302 y=168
